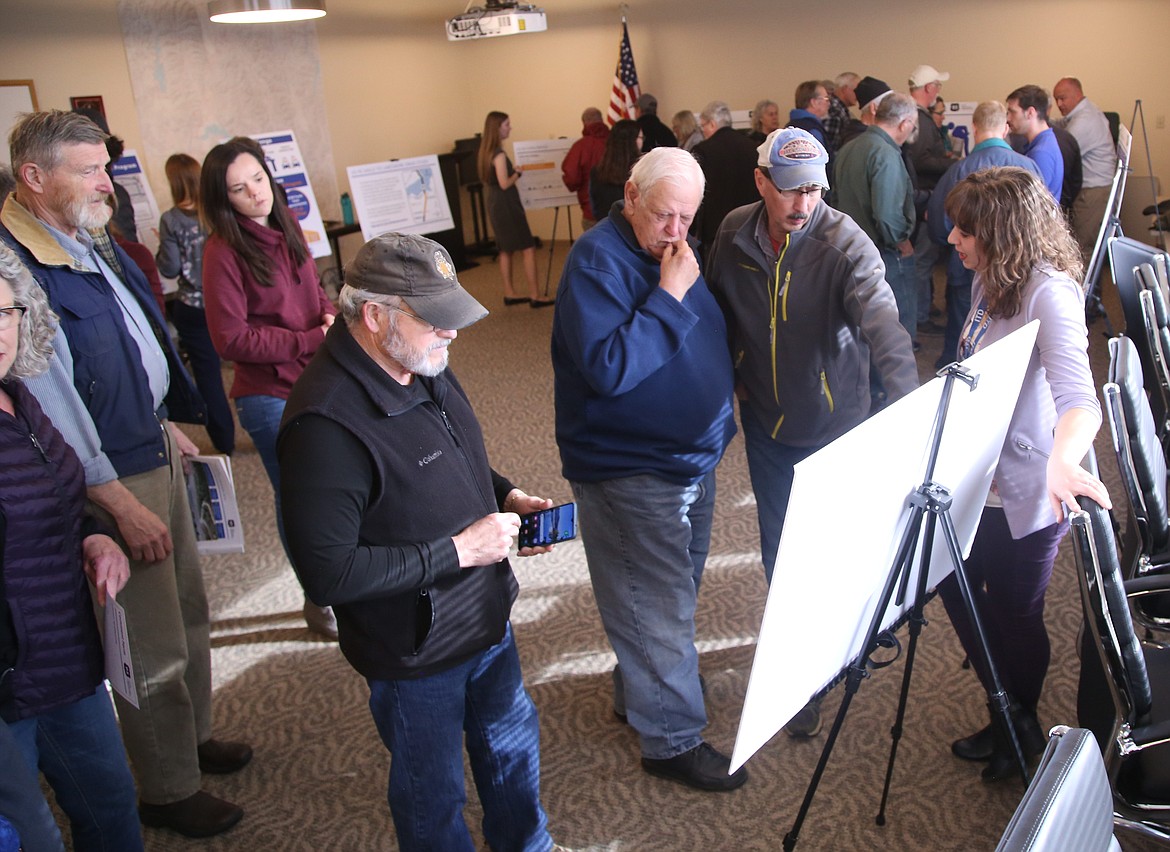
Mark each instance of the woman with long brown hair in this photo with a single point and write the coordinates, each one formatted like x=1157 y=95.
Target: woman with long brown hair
x=1010 y=231
x=505 y=211
x=265 y=307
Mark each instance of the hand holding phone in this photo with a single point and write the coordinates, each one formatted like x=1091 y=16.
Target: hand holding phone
x=548 y=526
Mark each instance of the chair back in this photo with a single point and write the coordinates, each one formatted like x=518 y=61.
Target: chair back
x=1068 y=807
x=1136 y=444
x=1107 y=616
x=1156 y=327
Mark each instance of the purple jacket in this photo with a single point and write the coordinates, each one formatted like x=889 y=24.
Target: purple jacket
x=50 y=651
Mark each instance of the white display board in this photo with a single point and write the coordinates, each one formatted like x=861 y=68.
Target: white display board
x=288 y=169
x=543 y=184
x=128 y=172
x=959 y=118
x=404 y=196
x=846 y=517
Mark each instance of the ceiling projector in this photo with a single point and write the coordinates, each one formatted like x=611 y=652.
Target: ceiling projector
x=498 y=18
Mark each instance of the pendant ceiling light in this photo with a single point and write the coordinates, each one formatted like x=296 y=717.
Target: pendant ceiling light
x=264 y=11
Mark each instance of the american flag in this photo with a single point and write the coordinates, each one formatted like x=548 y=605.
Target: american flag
x=625 y=83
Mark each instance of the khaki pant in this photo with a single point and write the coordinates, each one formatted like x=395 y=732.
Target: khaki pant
x=1088 y=211
x=168 y=626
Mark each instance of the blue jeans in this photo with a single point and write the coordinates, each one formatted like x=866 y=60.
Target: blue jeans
x=959 y=280
x=21 y=801
x=771 y=467
x=646 y=542
x=900 y=276
x=423 y=723
x=79 y=749
x=260 y=417
x=191 y=323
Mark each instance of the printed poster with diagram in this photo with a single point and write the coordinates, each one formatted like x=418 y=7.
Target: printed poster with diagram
x=542 y=184
x=211 y=493
x=129 y=174
x=402 y=196
x=288 y=169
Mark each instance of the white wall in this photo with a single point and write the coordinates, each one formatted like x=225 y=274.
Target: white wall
x=395 y=87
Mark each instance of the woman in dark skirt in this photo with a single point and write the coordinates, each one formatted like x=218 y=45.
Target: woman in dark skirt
x=505 y=212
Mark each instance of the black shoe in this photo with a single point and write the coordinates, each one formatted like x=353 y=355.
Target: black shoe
x=1002 y=763
x=806 y=723
x=976 y=747
x=223 y=758
x=198 y=815
x=702 y=768
x=542 y=303
x=517 y=300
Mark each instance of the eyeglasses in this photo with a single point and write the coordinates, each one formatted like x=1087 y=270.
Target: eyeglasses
x=420 y=320
x=804 y=191
x=820 y=98
x=10 y=316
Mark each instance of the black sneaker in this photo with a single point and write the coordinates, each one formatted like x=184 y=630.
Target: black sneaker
x=702 y=768
x=806 y=723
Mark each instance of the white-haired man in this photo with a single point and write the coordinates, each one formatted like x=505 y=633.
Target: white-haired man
x=643 y=391
x=843 y=97
x=728 y=160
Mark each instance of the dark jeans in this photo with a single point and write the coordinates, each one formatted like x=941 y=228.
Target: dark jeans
x=1008 y=579
x=959 y=280
x=426 y=723
x=191 y=323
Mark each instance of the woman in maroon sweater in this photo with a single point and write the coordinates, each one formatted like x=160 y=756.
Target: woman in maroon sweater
x=265 y=307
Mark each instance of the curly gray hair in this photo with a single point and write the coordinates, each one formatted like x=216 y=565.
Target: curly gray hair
x=34 y=345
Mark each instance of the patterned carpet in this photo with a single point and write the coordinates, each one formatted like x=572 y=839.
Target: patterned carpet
x=318 y=778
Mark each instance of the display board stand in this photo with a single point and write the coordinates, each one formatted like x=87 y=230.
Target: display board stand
x=931 y=503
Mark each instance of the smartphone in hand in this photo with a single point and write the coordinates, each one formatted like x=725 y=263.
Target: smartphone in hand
x=548 y=526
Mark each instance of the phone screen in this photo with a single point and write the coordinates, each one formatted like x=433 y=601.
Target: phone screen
x=548 y=526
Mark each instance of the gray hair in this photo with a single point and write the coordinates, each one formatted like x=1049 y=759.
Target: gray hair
x=351 y=299
x=666 y=165
x=34 y=343
x=718 y=113
x=846 y=78
x=895 y=108
x=38 y=137
x=757 y=121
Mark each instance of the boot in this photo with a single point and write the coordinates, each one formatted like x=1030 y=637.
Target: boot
x=1002 y=763
x=977 y=747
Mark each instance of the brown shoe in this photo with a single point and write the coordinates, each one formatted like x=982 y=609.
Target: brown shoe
x=222 y=758
x=198 y=815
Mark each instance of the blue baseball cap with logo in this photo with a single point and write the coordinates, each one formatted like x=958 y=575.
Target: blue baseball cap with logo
x=794 y=158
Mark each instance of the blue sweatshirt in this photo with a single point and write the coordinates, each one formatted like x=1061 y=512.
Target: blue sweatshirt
x=643 y=383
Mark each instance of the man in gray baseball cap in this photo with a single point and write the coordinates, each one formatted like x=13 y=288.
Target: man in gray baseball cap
x=395 y=519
